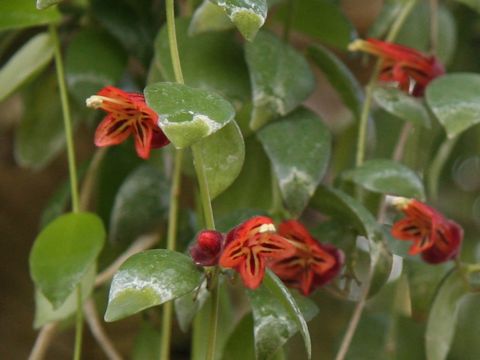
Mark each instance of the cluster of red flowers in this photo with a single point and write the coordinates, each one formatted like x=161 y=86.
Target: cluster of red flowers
x=292 y=253
x=408 y=68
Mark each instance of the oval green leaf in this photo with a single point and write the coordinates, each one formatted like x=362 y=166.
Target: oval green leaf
x=403 y=106
x=247 y=15
x=443 y=316
x=209 y=17
x=87 y=74
x=43 y=4
x=281 y=78
x=340 y=77
x=44 y=311
x=389 y=177
x=140 y=204
x=211 y=61
x=186 y=114
x=223 y=154
x=455 y=101
x=22 y=13
x=298 y=146
x=25 y=63
x=148 y=279
x=63 y=252
x=277 y=317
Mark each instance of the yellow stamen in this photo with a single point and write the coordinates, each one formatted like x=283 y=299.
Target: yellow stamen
x=399 y=202
x=266 y=228
x=96 y=101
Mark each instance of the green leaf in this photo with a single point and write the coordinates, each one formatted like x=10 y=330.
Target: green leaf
x=148 y=279
x=321 y=19
x=466 y=341
x=251 y=189
x=241 y=343
x=25 y=63
x=63 y=252
x=247 y=15
x=44 y=311
x=298 y=146
x=22 y=13
x=406 y=107
x=147 y=343
x=186 y=114
x=387 y=176
x=141 y=204
x=443 y=316
x=211 y=61
x=187 y=306
x=390 y=11
x=340 y=77
x=455 y=101
x=277 y=317
x=209 y=17
x=43 y=4
x=87 y=74
x=346 y=209
x=223 y=154
x=281 y=78
x=415 y=32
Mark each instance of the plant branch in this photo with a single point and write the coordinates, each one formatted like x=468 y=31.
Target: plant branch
x=44 y=338
x=443 y=153
x=89 y=181
x=98 y=332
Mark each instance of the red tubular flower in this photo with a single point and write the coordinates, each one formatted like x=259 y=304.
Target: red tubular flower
x=250 y=245
x=409 y=68
x=312 y=265
x=206 y=250
x=127 y=114
x=438 y=239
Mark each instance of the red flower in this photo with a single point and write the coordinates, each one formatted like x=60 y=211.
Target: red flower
x=409 y=68
x=127 y=113
x=312 y=265
x=250 y=245
x=438 y=239
x=207 y=248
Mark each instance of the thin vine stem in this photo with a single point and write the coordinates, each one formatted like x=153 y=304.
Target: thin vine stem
x=360 y=157
x=67 y=121
x=437 y=165
x=367 y=104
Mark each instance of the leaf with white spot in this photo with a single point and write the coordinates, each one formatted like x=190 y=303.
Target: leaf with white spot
x=455 y=101
x=186 y=114
x=223 y=154
x=148 y=279
x=209 y=17
x=298 y=146
x=247 y=15
x=281 y=78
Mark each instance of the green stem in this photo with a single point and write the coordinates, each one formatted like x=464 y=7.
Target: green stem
x=172 y=40
x=171 y=244
x=212 y=338
x=363 y=123
x=203 y=185
x=78 y=325
x=67 y=122
x=438 y=163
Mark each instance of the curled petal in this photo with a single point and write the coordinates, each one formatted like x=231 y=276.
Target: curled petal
x=252 y=270
x=112 y=131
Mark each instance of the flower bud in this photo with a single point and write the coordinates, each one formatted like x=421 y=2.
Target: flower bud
x=207 y=248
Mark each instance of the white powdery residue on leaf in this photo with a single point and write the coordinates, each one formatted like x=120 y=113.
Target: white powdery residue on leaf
x=444 y=111
x=261 y=99
x=197 y=119
x=272 y=326
x=296 y=176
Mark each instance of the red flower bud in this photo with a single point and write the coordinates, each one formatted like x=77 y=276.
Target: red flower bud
x=206 y=250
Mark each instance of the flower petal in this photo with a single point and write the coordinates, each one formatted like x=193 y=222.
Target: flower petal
x=252 y=270
x=143 y=138
x=112 y=131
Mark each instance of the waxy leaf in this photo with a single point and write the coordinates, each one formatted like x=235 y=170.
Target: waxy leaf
x=277 y=317
x=455 y=101
x=187 y=306
x=87 y=74
x=340 y=77
x=44 y=311
x=148 y=279
x=25 y=63
x=140 y=204
x=443 y=316
x=346 y=209
x=63 y=252
x=281 y=78
x=186 y=114
x=298 y=146
x=22 y=13
x=389 y=177
x=43 y=4
x=223 y=154
x=466 y=339
x=247 y=15
x=405 y=107
x=211 y=61
x=209 y=17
